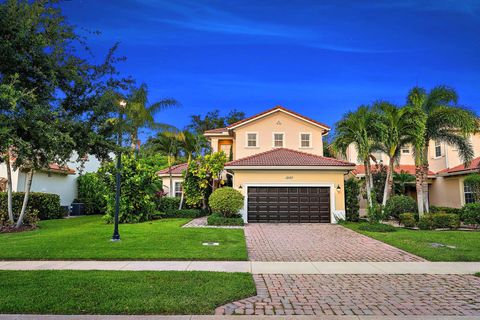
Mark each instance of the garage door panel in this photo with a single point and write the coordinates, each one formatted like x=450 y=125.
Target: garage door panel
x=289 y=204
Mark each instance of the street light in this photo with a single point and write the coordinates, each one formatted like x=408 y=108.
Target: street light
x=116 y=234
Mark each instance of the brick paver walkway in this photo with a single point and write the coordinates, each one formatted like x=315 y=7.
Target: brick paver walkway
x=392 y=295
x=317 y=242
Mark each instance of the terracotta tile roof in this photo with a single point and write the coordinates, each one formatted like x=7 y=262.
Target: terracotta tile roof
x=54 y=167
x=176 y=169
x=360 y=169
x=283 y=157
x=278 y=108
x=473 y=166
x=217 y=130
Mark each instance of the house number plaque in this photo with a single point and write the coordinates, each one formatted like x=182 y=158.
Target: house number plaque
x=289 y=177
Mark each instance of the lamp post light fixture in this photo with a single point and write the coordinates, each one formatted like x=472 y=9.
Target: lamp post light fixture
x=116 y=234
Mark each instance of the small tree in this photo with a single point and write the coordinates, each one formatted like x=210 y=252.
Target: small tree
x=352 y=198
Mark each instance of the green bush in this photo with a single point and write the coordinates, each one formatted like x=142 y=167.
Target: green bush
x=445 y=220
x=397 y=205
x=168 y=204
x=471 y=214
x=184 y=213
x=226 y=201
x=219 y=220
x=377 y=227
x=139 y=188
x=30 y=219
x=434 y=209
x=47 y=204
x=91 y=192
x=426 y=222
x=408 y=219
x=352 y=205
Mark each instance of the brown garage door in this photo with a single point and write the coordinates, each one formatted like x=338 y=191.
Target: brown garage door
x=289 y=204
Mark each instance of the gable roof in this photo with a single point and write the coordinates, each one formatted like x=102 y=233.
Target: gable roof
x=283 y=157
x=461 y=169
x=176 y=170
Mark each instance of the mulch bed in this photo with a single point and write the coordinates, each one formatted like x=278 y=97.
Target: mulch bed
x=12 y=229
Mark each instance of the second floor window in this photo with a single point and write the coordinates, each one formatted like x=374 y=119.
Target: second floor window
x=438 y=149
x=406 y=150
x=305 y=140
x=251 y=139
x=278 y=140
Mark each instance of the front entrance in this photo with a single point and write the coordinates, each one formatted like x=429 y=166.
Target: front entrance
x=288 y=204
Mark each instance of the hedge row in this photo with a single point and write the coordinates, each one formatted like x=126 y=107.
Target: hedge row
x=46 y=204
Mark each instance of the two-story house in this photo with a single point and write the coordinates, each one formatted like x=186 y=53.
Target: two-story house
x=446 y=175
x=279 y=167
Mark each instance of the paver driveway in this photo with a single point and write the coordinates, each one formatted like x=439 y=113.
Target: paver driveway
x=316 y=242
x=354 y=294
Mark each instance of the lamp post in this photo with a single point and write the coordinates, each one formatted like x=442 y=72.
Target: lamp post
x=116 y=234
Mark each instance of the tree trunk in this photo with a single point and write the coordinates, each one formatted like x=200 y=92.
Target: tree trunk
x=387 y=190
x=367 y=183
x=9 y=188
x=181 y=202
x=425 y=167
x=133 y=141
x=28 y=186
x=418 y=185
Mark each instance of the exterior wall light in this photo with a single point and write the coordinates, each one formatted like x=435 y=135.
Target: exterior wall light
x=339 y=188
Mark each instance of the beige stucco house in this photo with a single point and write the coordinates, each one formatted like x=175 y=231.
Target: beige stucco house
x=279 y=167
x=446 y=175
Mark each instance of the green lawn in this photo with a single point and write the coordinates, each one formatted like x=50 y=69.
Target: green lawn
x=418 y=242
x=120 y=292
x=89 y=238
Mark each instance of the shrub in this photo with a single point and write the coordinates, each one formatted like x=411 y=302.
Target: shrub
x=471 y=214
x=168 y=204
x=46 y=204
x=445 y=220
x=226 y=201
x=184 y=213
x=91 y=192
x=426 y=222
x=397 y=205
x=352 y=205
x=139 y=189
x=377 y=227
x=408 y=219
x=30 y=219
x=434 y=209
x=219 y=220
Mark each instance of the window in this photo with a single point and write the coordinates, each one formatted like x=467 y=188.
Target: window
x=406 y=150
x=178 y=189
x=251 y=140
x=438 y=149
x=467 y=190
x=305 y=140
x=278 y=140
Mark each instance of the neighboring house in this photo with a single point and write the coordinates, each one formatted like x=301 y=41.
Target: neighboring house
x=446 y=175
x=177 y=179
x=61 y=180
x=279 y=167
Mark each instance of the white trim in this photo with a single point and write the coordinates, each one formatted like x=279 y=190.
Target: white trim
x=257 y=142
x=342 y=168
x=273 y=139
x=277 y=110
x=212 y=134
x=300 y=140
x=330 y=185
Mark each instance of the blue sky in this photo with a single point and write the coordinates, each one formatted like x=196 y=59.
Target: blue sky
x=319 y=58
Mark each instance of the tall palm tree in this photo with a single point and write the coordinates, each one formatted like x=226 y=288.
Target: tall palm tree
x=360 y=129
x=445 y=122
x=399 y=127
x=140 y=114
x=190 y=144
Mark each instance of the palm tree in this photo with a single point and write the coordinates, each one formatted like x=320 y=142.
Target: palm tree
x=399 y=127
x=360 y=129
x=140 y=114
x=401 y=179
x=445 y=122
x=190 y=144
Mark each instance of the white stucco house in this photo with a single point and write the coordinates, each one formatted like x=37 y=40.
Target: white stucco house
x=61 y=180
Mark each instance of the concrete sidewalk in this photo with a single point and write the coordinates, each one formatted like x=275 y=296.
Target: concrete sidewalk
x=208 y=317
x=255 y=267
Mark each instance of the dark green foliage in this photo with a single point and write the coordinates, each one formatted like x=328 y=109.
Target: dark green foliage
x=226 y=201
x=401 y=180
x=168 y=204
x=184 y=213
x=91 y=192
x=407 y=219
x=352 y=198
x=377 y=227
x=397 y=205
x=471 y=214
x=473 y=181
x=379 y=176
x=219 y=220
x=439 y=220
x=426 y=222
x=30 y=219
x=47 y=204
x=434 y=209
x=139 y=188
